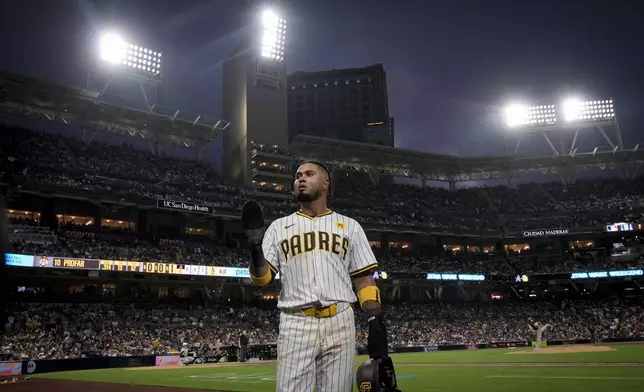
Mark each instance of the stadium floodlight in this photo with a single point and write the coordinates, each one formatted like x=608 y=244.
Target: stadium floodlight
x=571 y=108
x=273 y=35
x=574 y=113
x=515 y=115
x=115 y=50
x=519 y=115
x=588 y=111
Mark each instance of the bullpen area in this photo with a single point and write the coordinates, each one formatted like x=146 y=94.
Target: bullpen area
x=571 y=368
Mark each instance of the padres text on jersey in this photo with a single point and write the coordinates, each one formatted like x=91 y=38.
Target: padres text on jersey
x=316 y=257
x=314 y=240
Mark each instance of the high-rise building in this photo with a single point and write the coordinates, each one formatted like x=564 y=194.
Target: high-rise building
x=348 y=104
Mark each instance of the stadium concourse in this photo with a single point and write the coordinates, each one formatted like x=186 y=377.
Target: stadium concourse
x=137 y=321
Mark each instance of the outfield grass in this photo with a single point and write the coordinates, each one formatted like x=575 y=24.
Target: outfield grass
x=417 y=372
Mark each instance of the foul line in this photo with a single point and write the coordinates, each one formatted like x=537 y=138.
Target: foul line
x=569 y=377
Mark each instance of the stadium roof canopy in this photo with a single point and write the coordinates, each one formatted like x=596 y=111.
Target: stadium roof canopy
x=35 y=98
x=436 y=167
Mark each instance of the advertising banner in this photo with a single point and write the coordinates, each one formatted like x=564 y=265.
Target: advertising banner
x=10 y=369
x=35 y=261
x=507 y=344
x=63 y=365
x=168 y=360
x=443 y=276
x=606 y=274
x=545 y=233
x=184 y=206
x=149 y=267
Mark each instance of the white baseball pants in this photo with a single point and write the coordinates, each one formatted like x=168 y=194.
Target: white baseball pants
x=539 y=338
x=316 y=352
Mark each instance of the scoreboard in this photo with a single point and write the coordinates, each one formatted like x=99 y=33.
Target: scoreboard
x=73 y=263
x=121 y=266
x=624 y=226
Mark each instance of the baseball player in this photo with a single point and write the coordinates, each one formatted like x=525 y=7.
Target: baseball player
x=539 y=329
x=318 y=254
x=186 y=357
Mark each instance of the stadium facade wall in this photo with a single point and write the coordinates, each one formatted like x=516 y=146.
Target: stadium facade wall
x=62 y=365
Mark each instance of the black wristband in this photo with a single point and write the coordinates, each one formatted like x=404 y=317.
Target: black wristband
x=377 y=346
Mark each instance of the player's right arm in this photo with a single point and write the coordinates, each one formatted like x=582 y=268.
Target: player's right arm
x=264 y=258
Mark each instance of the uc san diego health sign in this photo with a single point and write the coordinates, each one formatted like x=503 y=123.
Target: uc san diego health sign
x=545 y=233
x=184 y=206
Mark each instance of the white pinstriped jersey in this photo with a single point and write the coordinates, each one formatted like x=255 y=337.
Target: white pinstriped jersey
x=316 y=257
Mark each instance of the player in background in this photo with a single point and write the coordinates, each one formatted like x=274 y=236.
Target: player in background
x=243 y=347
x=319 y=254
x=184 y=350
x=539 y=329
x=185 y=356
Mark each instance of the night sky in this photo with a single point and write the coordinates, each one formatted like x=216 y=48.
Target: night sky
x=450 y=64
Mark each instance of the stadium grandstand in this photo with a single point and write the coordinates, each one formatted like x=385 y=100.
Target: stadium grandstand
x=154 y=243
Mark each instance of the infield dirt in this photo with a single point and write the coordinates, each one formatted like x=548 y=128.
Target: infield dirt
x=563 y=350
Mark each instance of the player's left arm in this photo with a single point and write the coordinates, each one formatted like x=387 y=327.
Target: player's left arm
x=362 y=263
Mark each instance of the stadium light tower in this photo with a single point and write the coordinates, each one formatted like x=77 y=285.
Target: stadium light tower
x=136 y=60
x=271 y=46
x=521 y=115
x=273 y=35
x=573 y=113
x=255 y=91
x=120 y=58
x=591 y=112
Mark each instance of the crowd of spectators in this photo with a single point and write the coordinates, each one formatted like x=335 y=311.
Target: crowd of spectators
x=439 y=323
x=130 y=246
x=53 y=162
x=123 y=244
x=100 y=169
x=125 y=173
x=65 y=330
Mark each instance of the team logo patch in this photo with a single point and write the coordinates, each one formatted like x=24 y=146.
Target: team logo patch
x=341 y=225
x=365 y=386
